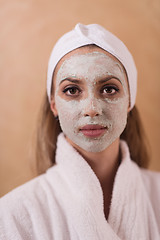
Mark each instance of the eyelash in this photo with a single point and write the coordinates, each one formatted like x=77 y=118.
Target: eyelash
x=109 y=87
x=71 y=88
x=75 y=88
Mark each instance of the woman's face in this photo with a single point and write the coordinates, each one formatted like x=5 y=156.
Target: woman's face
x=90 y=97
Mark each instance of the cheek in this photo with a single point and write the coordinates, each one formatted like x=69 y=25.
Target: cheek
x=118 y=114
x=67 y=110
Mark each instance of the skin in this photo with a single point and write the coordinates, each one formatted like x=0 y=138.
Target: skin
x=94 y=99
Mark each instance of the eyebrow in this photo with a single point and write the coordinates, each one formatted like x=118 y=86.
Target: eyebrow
x=99 y=81
x=107 y=79
x=71 y=80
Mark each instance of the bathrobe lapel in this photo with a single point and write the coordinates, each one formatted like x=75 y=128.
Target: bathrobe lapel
x=131 y=215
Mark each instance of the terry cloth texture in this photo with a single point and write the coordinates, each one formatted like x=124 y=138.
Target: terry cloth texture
x=66 y=203
x=83 y=35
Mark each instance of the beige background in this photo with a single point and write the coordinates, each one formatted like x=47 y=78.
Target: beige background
x=28 y=30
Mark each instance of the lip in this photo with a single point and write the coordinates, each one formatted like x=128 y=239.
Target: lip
x=93 y=130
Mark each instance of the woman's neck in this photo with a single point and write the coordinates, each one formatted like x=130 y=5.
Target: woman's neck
x=104 y=164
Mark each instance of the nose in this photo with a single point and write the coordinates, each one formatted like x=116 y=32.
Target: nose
x=92 y=109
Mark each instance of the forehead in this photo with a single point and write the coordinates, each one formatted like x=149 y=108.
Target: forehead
x=100 y=55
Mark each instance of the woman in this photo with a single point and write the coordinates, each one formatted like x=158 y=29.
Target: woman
x=91 y=189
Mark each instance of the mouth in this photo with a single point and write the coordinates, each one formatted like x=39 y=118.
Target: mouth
x=93 y=130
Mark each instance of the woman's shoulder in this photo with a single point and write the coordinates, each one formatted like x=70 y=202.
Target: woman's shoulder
x=26 y=207
x=16 y=209
x=17 y=198
x=151 y=179
x=33 y=190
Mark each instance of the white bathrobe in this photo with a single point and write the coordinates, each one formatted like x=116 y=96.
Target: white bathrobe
x=67 y=203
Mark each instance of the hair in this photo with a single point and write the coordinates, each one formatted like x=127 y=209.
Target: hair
x=49 y=129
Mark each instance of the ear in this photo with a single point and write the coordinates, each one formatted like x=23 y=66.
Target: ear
x=129 y=109
x=53 y=106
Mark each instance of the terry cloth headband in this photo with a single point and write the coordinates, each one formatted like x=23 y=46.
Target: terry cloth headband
x=83 y=35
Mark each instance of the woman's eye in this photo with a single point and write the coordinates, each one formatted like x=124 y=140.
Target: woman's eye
x=109 y=90
x=72 y=91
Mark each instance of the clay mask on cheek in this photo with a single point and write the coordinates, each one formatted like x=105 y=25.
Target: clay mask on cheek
x=111 y=114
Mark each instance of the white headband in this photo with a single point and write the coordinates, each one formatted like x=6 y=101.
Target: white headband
x=83 y=35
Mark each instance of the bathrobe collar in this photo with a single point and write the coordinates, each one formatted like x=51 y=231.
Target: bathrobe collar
x=130 y=212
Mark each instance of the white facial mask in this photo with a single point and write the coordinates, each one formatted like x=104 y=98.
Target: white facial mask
x=110 y=112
